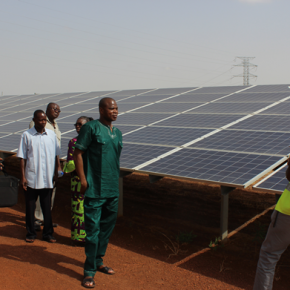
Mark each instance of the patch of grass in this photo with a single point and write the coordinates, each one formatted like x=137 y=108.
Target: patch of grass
x=215 y=244
x=185 y=237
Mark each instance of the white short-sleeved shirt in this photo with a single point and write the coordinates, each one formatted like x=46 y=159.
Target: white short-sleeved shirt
x=40 y=151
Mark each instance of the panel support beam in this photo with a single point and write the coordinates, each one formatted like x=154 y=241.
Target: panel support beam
x=121 y=196
x=154 y=178
x=225 y=190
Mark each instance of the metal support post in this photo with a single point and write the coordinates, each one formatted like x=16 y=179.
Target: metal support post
x=225 y=190
x=121 y=199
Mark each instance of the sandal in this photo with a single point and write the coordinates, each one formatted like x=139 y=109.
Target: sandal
x=27 y=240
x=88 y=280
x=106 y=270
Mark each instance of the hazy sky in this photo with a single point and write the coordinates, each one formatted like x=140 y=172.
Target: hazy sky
x=90 y=45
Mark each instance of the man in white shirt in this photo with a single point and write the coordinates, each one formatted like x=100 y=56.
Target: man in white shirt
x=52 y=113
x=38 y=150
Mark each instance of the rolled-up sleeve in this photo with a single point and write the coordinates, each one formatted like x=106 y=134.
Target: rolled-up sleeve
x=22 y=149
x=85 y=138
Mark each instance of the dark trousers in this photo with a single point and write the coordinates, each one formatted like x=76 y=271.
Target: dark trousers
x=100 y=219
x=31 y=196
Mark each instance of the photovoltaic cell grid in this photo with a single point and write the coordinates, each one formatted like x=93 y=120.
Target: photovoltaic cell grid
x=165 y=136
x=246 y=97
x=133 y=154
x=280 y=109
x=269 y=89
x=265 y=123
x=221 y=167
x=194 y=98
x=199 y=120
x=275 y=182
x=229 y=108
x=247 y=141
x=168 y=107
x=128 y=99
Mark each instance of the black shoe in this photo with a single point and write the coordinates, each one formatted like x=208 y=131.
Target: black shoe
x=49 y=239
x=55 y=225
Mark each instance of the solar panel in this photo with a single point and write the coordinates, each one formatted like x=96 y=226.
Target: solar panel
x=217 y=90
x=229 y=108
x=270 y=88
x=274 y=182
x=194 y=98
x=77 y=107
x=127 y=93
x=17 y=116
x=133 y=154
x=126 y=129
x=72 y=118
x=10 y=142
x=254 y=97
x=199 y=120
x=140 y=118
x=265 y=123
x=147 y=99
x=64 y=127
x=122 y=107
x=168 y=107
x=14 y=127
x=247 y=141
x=280 y=109
x=165 y=135
x=221 y=167
x=169 y=92
x=68 y=135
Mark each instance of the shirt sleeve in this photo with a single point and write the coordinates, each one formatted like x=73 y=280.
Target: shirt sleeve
x=71 y=149
x=22 y=149
x=57 y=148
x=31 y=124
x=85 y=138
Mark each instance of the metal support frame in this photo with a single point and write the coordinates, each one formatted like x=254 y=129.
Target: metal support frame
x=154 y=178
x=121 y=197
x=225 y=190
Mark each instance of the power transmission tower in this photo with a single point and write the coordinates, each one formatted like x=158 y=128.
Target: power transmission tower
x=247 y=65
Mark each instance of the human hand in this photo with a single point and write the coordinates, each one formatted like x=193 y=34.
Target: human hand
x=1 y=165
x=84 y=186
x=23 y=183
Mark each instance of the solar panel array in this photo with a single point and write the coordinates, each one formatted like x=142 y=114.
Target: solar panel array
x=227 y=135
x=275 y=182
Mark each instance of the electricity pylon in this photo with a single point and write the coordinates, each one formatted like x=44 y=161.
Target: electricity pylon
x=246 y=74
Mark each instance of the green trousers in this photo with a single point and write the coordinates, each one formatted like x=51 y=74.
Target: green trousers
x=100 y=219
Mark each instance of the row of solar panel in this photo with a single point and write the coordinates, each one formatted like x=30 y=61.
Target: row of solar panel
x=163 y=134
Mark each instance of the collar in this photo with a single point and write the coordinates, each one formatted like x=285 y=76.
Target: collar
x=51 y=122
x=34 y=132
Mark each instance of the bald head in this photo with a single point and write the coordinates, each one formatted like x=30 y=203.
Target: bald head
x=104 y=102
x=108 y=110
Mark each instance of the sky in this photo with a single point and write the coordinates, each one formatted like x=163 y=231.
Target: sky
x=62 y=46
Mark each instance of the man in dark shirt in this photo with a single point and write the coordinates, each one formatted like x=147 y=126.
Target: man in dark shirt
x=96 y=156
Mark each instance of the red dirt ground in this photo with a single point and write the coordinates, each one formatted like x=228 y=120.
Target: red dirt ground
x=162 y=224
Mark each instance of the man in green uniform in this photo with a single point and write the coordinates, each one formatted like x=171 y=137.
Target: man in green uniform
x=96 y=156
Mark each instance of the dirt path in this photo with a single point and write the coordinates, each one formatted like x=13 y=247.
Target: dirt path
x=59 y=266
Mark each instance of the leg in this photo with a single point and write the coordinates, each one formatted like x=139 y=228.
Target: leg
x=92 y=212
x=107 y=224
x=276 y=242
x=38 y=211
x=45 y=202
x=53 y=197
x=30 y=199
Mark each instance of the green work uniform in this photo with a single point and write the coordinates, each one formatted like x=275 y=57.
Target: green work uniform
x=102 y=148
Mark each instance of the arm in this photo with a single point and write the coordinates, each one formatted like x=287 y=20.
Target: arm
x=23 y=180
x=55 y=178
x=78 y=159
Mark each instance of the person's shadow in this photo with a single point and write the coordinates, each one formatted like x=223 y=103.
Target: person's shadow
x=39 y=256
